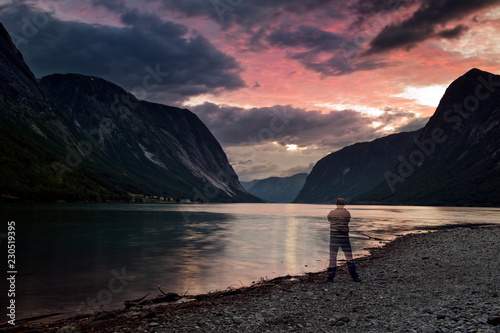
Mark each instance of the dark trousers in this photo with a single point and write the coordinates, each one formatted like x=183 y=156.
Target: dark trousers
x=340 y=240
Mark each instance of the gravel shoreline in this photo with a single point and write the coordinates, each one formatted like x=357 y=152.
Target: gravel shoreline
x=445 y=281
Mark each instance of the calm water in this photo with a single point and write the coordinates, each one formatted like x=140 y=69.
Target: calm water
x=69 y=255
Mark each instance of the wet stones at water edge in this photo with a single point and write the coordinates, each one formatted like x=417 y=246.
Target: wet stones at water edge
x=495 y=321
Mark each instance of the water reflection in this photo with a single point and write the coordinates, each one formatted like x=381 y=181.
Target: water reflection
x=339 y=219
x=66 y=253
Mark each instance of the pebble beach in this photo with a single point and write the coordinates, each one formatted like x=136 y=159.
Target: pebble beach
x=437 y=282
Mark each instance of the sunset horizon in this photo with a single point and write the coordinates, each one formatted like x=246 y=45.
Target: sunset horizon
x=280 y=85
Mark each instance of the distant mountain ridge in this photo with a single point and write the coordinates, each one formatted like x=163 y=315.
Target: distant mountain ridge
x=75 y=137
x=456 y=160
x=453 y=160
x=354 y=169
x=276 y=189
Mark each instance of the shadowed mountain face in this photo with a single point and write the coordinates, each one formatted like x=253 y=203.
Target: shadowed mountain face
x=18 y=89
x=276 y=189
x=33 y=140
x=456 y=160
x=355 y=169
x=163 y=149
x=74 y=137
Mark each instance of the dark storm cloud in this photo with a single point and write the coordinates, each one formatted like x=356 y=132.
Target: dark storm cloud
x=113 y=5
x=317 y=43
x=425 y=23
x=247 y=12
x=235 y=126
x=453 y=33
x=375 y=26
x=370 y=7
x=338 y=64
x=253 y=25
x=147 y=56
x=306 y=36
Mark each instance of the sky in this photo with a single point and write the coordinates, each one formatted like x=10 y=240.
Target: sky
x=280 y=83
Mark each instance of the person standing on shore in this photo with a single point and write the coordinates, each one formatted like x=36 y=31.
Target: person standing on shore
x=339 y=237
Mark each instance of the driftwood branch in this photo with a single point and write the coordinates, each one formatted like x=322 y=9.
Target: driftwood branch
x=164 y=293
x=165 y=298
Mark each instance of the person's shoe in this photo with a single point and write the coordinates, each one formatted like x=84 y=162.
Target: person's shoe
x=331 y=272
x=328 y=280
x=356 y=279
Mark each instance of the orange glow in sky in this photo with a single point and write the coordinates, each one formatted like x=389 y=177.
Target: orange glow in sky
x=346 y=71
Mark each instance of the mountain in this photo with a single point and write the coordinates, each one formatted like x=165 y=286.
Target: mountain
x=28 y=157
x=355 y=169
x=160 y=149
x=276 y=189
x=456 y=160
x=74 y=137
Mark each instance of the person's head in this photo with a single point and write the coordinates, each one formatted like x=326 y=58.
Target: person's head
x=340 y=202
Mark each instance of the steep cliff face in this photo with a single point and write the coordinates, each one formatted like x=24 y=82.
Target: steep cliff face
x=277 y=189
x=162 y=149
x=92 y=141
x=34 y=142
x=19 y=93
x=355 y=169
x=456 y=160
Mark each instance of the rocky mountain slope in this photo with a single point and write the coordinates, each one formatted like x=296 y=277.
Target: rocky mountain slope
x=34 y=142
x=73 y=137
x=163 y=149
x=355 y=169
x=276 y=189
x=456 y=160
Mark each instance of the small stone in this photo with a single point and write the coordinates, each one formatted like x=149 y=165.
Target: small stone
x=441 y=316
x=67 y=329
x=153 y=324
x=149 y=314
x=495 y=321
x=300 y=326
x=237 y=320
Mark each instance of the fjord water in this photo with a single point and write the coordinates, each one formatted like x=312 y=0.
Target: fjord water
x=85 y=257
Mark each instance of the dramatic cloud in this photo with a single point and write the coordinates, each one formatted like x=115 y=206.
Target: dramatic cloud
x=282 y=141
x=285 y=125
x=338 y=72
x=309 y=45
x=250 y=171
x=248 y=13
x=425 y=24
x=113 y=5
x=146 y=55
x=313 y=32
x=309 y=37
